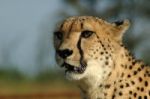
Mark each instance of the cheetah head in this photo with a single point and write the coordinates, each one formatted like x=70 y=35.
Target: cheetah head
x=84 y=45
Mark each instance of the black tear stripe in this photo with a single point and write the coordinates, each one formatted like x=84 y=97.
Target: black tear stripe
x=82 y=62
x=80 y=50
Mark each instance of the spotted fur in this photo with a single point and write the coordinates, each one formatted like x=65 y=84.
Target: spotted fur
x=108 y=70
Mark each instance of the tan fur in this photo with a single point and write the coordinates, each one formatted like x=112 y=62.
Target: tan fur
x=111 y=72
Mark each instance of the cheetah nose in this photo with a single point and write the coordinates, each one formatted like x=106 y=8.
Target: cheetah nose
x=64 y=53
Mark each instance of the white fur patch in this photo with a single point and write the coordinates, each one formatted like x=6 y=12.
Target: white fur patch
x=93 y=73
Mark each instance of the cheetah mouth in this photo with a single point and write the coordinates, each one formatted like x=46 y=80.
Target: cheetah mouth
x=70 y=68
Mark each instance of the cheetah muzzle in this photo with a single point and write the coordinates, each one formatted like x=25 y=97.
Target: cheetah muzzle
x=70 y=68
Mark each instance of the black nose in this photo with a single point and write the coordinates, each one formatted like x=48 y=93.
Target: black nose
x=64 y=53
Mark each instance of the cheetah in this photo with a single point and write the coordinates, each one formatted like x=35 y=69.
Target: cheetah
x=92 y=54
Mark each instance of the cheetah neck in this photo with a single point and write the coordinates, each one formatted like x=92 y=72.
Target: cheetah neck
x=124 y=62
x=95 y=86
x=90 y=85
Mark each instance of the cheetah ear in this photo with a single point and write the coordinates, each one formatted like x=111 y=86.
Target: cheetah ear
x=119 y=28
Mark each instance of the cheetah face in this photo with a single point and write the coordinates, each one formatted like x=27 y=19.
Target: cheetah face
x=71 y=53
x=78 y=44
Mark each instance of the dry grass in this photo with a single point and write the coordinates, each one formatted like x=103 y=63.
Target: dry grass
x=28 y=90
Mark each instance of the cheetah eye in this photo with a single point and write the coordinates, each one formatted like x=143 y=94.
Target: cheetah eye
x=86 y=33
x=58 y=35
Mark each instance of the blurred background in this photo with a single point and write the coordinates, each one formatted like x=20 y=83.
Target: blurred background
x=27 y=66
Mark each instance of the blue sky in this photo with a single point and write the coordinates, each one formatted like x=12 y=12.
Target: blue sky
x=21 y=26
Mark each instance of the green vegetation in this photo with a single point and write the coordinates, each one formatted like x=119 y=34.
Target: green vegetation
x=14 y=75
x=14 y=82
x=10 y=75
